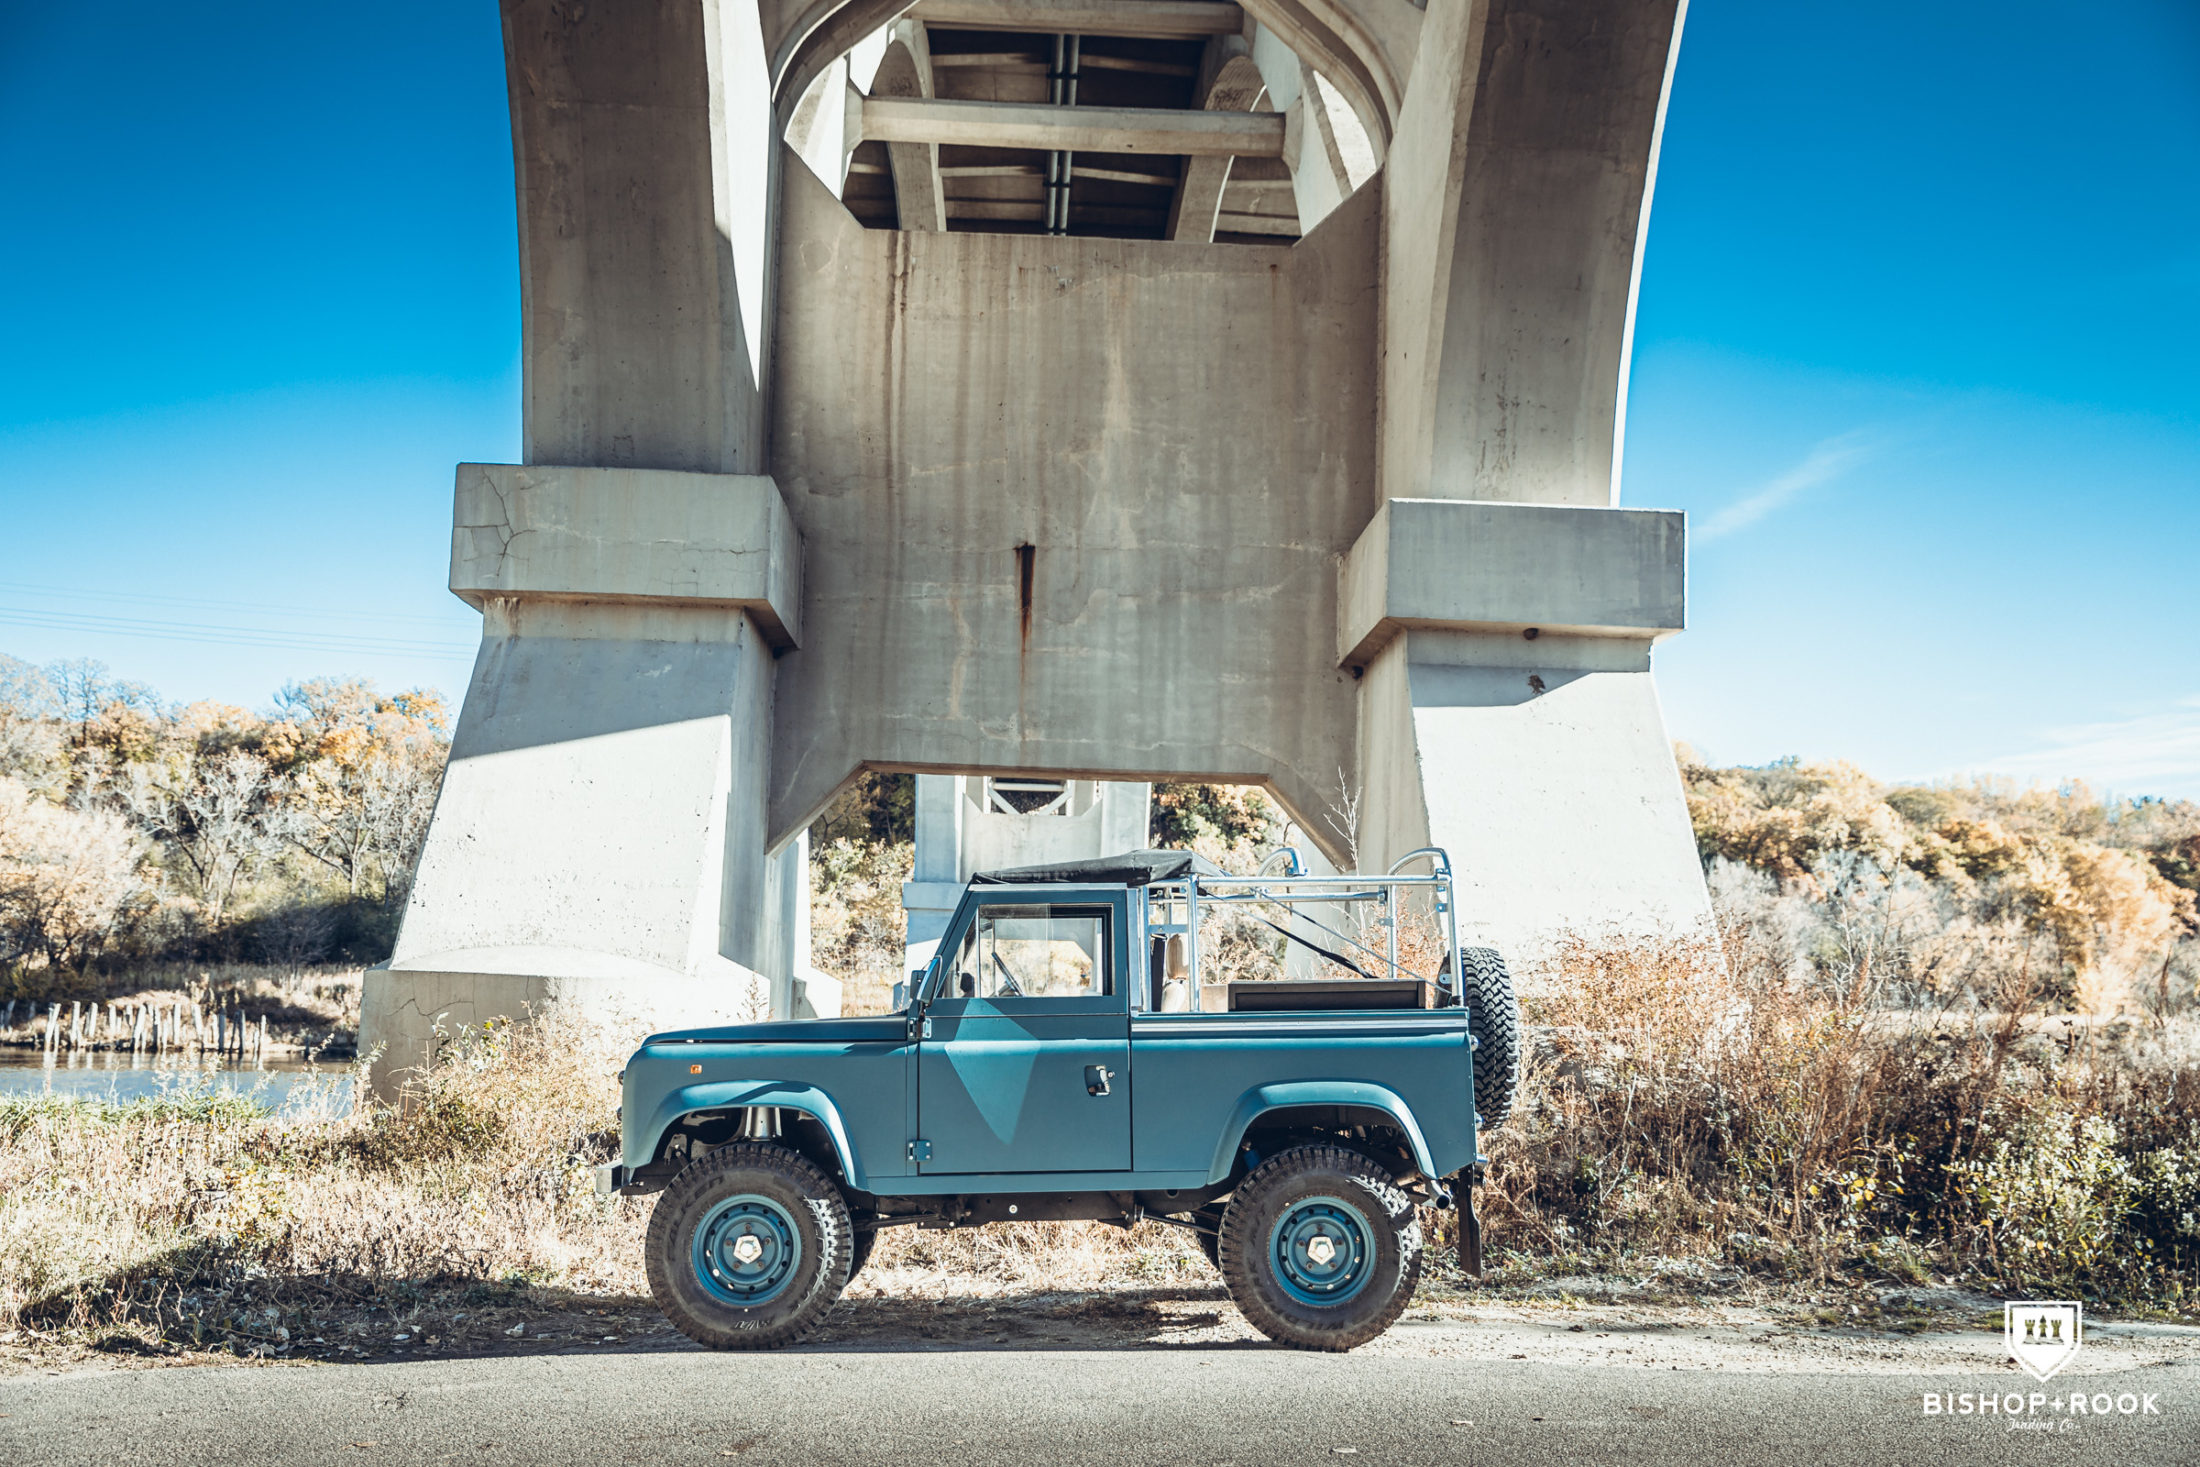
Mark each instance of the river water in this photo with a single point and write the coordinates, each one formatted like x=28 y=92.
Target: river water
x=283 y=1087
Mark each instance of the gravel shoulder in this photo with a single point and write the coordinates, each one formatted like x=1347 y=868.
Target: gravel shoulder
x=1577 y=1322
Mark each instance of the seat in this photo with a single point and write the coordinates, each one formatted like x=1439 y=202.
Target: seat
x=1176 y=977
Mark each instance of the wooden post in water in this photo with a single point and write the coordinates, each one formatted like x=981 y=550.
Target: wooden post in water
x=262 y=1056
x=53 y=1027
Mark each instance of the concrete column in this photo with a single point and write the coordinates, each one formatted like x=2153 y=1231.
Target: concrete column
x=1508 y=715
x=1565 y=130
x=647 y=172
x=1500 y=611
x=600 y=835
x=935 y=883
x=958 y=836
x=600 y=838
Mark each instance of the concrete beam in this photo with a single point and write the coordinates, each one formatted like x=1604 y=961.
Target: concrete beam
x=1455 y=564
x=1228 y=81
x=626 y=536
x=1366 y=48
x=1080 y=129
x=1170 y=18
x=1318 y=181
x=906 y=71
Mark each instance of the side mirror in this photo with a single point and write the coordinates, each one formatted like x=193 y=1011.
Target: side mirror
x=901 y=997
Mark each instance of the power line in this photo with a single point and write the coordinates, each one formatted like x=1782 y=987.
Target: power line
x=103 y=595
x=232 y=636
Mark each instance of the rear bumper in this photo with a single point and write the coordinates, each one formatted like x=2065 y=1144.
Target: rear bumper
x=610 y=1180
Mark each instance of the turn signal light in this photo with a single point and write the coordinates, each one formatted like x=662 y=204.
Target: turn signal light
x=695 y=1069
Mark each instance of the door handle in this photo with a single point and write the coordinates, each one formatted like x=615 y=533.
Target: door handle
x=1096 y=1079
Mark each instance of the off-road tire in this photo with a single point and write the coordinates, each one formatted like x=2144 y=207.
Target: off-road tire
x=1285 y=1186
x=863 y=1240
x=784 y=1185
x=1493 y=1018
x=1209 y=1219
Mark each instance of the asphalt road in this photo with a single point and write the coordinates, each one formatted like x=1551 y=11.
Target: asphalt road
x=1210 y=1406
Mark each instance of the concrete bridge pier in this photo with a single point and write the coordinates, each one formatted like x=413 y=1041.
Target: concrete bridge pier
x=600 y=838
x=1249 y=410
x=1500 y=606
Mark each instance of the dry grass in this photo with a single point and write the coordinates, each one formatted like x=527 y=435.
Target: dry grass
x=195 y=1223
x=190 y=1217
x=1678 y=1105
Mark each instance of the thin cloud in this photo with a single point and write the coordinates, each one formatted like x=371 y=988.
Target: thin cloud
x=1824 y=463
x=2154 y=753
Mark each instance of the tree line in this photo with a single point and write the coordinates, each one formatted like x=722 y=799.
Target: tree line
x=134 y=831
x=1982 y=889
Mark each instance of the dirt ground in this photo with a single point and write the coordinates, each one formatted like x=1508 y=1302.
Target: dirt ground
x=1562 y=1321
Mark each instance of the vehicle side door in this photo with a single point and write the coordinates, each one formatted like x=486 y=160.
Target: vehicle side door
x=1025 y=1063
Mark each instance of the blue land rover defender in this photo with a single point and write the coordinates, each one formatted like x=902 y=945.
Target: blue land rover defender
x=1287 y=1066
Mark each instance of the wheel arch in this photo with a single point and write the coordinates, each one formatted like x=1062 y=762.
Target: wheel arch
x=643 y=1144
x=1275 y=1102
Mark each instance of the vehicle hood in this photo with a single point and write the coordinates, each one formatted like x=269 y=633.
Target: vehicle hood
x=789 y=1031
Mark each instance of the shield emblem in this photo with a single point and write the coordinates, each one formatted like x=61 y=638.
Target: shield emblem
x=2043 y=1335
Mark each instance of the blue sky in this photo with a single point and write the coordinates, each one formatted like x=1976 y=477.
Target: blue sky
x=1915 y=350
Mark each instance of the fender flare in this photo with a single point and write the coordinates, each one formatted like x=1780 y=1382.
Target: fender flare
x=1264 y=1099
x=728 y=1094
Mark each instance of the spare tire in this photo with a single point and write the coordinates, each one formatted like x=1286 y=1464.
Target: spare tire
x=1493 y=1018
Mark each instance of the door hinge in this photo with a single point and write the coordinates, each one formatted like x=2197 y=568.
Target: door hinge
x=920 y=1151
x=921 y=1029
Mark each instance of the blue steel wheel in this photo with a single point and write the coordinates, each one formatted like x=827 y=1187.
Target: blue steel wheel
x=1320 y=1248
x=1324 y=1251
x=749 y=1247
x=747 y=1250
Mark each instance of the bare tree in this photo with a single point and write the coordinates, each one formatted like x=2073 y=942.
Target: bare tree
x=212 y=814
x=1344 y=818
x=364 y=822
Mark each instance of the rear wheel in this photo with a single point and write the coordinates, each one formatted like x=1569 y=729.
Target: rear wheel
x=864 y=1240
x=748 y=1248
x=1321 y=1249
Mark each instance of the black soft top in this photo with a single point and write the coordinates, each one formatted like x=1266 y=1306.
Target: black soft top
x=1133 y=868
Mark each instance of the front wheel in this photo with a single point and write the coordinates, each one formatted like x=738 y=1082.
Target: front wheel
x=748 y=1248
x=1321 y=1248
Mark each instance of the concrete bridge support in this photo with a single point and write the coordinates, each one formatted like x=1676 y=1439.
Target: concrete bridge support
x=600 y=835
x=972 y=823
x=1330 y=508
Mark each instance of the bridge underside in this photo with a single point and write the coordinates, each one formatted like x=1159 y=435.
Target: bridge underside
x=1101 y=389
